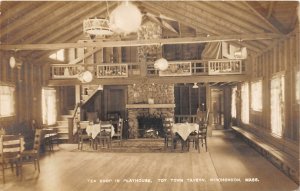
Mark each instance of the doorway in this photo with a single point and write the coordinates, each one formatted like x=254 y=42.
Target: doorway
x=217 y=108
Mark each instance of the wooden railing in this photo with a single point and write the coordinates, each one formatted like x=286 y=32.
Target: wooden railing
x=72 y=126
x=64 y=71
x=176 y=68
x=185 y=118
x=112 y=71
x=217 y=67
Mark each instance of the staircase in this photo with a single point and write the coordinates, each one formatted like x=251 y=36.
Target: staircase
x=62 y=127
x=88 y=91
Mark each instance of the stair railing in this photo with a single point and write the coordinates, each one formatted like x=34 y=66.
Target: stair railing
x=72 y=123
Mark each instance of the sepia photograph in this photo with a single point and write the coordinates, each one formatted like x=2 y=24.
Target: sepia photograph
x=149 y=95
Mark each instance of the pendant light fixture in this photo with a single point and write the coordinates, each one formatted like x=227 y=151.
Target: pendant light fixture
x=126 y=18
x=85 y=76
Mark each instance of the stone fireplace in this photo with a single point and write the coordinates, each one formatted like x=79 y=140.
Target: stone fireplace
x=149 y=115
x=148 y=104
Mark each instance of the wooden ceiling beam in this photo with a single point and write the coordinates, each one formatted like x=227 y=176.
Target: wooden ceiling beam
x=273 y=23
x=36 y=27
x=257 y=47
x=181 y=18
x=270 y=9
x=242 y=15
x=73 y=21
x=156 y=80
x=18 y=9
x=240 y=25
x=202 y=16
x=34 y=15
x=187 y=40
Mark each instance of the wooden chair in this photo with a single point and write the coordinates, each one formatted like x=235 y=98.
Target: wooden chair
x=50 y=136
x=201 y=137
x=82 y=135
x=104 y=136
x=169 y=135
x=32 y=156
x=119 y=131
x=11 y=154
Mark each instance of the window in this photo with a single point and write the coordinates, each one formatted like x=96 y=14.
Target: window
x=7 y=101
x=245 y=103
x=233 y=102
x=59 y=55
x=277 y=105
x=49 y=106
x=256 y=96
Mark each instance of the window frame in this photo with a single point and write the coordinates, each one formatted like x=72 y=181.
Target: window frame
x=252 y=96
x=12 y=100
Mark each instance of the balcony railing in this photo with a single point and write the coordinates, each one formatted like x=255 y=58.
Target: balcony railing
x=176 y=68
x=64 y=71
x=217 y=67
x=112 y=71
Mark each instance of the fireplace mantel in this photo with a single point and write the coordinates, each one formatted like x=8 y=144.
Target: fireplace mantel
x=140 y=106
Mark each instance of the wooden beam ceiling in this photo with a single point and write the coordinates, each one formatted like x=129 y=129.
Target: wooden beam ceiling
x=36 y=14
x=271 y=21
x=43 y=23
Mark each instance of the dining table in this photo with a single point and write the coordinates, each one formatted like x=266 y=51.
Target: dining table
x=185 y=129
x=94 y=129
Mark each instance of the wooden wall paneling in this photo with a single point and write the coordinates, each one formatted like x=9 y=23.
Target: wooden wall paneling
x=4 y=68
x=289 y=88
x=275 y=59
x=227 y=106
x=45 y=72
x=71 y=54
x=27 y=99
x=293 y=47
x=266 y=91
x=98 y=56
x=89 y=59
x=282 y=56
x=190 y=98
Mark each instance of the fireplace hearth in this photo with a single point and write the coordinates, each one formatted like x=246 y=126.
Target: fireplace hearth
x=150 y=126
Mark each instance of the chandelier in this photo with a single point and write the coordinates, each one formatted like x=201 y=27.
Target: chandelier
x=97 y=27
x=126 y=18
x=85 y=77
x=161 y=64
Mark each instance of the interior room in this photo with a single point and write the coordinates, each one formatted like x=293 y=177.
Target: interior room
x=149 y=95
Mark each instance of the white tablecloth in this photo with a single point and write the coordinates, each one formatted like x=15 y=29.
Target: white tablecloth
x=95 y=129
x=185 y=129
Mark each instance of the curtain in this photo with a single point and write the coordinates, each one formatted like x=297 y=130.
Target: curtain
x=49 y=112
x=7 y=101
x=233 y=102
x=245 y=103
x=277 y=105
x=256 y=96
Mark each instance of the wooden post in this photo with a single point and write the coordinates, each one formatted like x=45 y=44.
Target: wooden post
x=70 y=129
x=208 y=107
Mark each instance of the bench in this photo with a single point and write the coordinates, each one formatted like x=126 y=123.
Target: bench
x=288 y=164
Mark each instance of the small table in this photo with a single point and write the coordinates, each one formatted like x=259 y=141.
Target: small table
x=185 y=129
x=95 y=129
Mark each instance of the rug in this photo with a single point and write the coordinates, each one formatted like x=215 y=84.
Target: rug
x=145 y=145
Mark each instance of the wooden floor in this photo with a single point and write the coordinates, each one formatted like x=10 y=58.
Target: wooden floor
x=228 y=161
